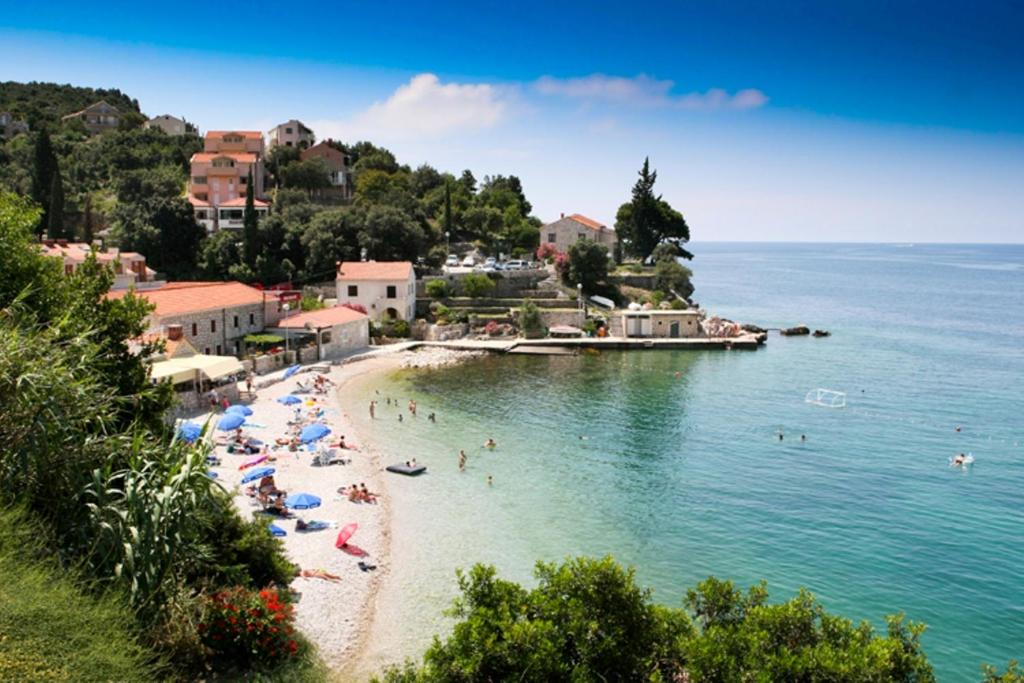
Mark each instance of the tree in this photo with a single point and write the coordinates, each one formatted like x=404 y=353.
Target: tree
x=468 y=181
x=279 y=157
x=647 y=220
x=390 y=234
x=448 y=208
x=672 y=277
x=588 y=264
x=309 y=175
x=587 y=620
x=332 y=236
x=55 y=214
x=44 y=167
x=88 y=229
x=251 y=246
x=219 y=252
x=424 y=179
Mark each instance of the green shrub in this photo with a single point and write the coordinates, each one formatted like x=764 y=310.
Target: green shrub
x=400 y=328
x=476 y=285
x=437 y=289
x=312 y=303
x=678 y=305
x=671 y=276
x=529 y=320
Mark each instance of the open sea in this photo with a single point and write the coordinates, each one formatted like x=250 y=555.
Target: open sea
x=671 y=461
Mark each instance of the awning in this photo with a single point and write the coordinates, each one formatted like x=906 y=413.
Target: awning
x=180 y=370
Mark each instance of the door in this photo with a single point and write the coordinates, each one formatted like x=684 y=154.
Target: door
x=673 y=330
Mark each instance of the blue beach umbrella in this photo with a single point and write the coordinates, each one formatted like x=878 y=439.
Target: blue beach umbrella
x=211 y=474
x=303 y=501
x=257 y=473
x=189 y=431
x=291 y=371
x=240 y=409
x=289 y=400
x=313 y=432
x=230 y=421
x=275 y=530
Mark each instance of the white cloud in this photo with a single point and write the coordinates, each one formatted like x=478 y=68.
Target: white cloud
x=646 y=91
x=423 y=107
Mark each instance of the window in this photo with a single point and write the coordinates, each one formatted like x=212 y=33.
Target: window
x=353 y=290
x=207 y=350
x=236 y=322
x=551 y=237
x=195 y=331
x=199 y=179
x=213 y=326
x=232 y=138
x=392 y=291
x=325 y=337
x=223 y=162
x=252 y=319
x=243 y=180
x=288 y=143
x=288 y=131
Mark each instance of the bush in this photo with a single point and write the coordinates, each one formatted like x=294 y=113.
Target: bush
x=588 y=265
x=242 y=626
x=678 y=305
x=312 y=303
x=476 y=285
x=400 y=328
x=437 y=289
x=670 y=276
x=529 y=320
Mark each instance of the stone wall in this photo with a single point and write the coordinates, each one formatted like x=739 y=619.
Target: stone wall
x=509 y=283
x=551 y=318
x=272 y=361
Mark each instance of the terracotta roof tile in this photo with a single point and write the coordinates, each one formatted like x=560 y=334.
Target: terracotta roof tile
x=240 y=201
x=325 y=317
x=375 y=270
x=250 y=134
x=241 y=157
x=178 y=298
x=589 y=222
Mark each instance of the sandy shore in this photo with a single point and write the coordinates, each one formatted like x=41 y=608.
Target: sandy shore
x=335 y=616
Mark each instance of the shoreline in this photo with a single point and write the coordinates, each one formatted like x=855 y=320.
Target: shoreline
x=337 y=617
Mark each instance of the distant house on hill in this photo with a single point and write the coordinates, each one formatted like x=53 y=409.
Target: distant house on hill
x=386 y=289
x=339 y=171
x=567 y=230
x=292 y=133
x=10 y=126
x=171 y=125
x=97 y=118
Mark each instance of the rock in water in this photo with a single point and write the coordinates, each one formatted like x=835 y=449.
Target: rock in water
x=797 y=331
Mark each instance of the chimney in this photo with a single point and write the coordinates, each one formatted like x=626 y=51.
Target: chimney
x=174 y=332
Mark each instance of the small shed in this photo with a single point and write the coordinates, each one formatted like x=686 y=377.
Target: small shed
x=661 y=324
x=334 y=331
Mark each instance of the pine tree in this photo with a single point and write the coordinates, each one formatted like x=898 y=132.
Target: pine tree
x=250 y=225
x=55 y=214
x=44 y=165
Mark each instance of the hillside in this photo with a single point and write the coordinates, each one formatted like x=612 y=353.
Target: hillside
x=45 y=103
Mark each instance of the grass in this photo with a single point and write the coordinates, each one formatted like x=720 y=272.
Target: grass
x=50 y=629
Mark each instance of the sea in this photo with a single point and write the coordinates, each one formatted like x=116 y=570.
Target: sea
x=671 y=461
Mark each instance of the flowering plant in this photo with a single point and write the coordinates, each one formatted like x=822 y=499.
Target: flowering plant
x=546 y=251
x=243 y=626
x=491 y=328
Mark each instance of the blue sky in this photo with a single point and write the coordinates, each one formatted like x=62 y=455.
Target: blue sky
x=877 y=121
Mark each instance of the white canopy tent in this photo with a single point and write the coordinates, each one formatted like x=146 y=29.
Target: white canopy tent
x=180 y=370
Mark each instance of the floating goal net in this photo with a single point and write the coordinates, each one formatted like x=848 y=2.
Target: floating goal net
x=826 y=398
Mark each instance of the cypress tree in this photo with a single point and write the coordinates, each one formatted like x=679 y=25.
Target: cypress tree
x=87 y=221
x=250 y=225
x=447 y=207
x=55 y=215
x=44 y=165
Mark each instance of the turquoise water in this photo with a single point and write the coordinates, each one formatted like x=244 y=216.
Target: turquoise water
x=681 y=474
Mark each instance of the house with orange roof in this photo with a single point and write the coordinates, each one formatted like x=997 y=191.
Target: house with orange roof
x=386 y=289
x=219 y=177
x=339 y=167
x=333 y=332
x=567 y=230
x=214 y=317
x=129 y=267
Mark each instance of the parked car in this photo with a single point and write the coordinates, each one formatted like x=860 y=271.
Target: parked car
x=452 y=261
x=516 y=264
x=490 y=262
x=468 y=262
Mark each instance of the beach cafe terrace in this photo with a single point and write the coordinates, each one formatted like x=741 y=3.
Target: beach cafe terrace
x=192 y=375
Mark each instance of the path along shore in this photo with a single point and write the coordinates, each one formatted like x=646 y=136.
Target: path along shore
x=335 y=615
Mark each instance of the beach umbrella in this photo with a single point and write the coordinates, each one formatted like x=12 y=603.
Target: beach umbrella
x=253 y=475
x=345 y=534
x=313 y=432
x=275 y=530
x=303 y=501
x=189 y=431
x=211 y=474
x=291 y=371
x=230 y=421
x=289 y=400
x=253 y=461
x=240 y=409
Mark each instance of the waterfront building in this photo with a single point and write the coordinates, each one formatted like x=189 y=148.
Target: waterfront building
x=660 y=324
x=386 y=289
x=332 y=332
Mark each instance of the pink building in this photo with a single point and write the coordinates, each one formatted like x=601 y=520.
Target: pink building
x=130 y=269
x=220 y=173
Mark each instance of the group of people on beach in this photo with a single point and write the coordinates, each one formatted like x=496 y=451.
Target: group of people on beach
x=358 y=493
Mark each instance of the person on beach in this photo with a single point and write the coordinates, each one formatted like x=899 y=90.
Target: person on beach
x=214 y=400
x=373 y=409
x=316 y=574
x=462 y=461
x=490 y=443
x=400 y=418
x=412 y=408
x=366 y=494
x=248 y=385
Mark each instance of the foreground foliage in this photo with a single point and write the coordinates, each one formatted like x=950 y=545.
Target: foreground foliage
x=587 y=620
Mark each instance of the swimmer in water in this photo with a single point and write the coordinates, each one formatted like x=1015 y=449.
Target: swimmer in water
x=462 y=461
x=400 y=417
x=490 y=443
x=490 y=480
x=959 y=460
x=803 y=437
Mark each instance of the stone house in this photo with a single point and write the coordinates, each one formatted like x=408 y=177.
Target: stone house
x=214 y=316
x=333 y=331
x=98 y=117
x=657 y=323
x=171 y=125
x=129 y=267
x=292 y=133
x=567 y=230
x=386 y=289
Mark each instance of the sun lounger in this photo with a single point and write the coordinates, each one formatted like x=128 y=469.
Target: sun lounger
x=315 y=525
